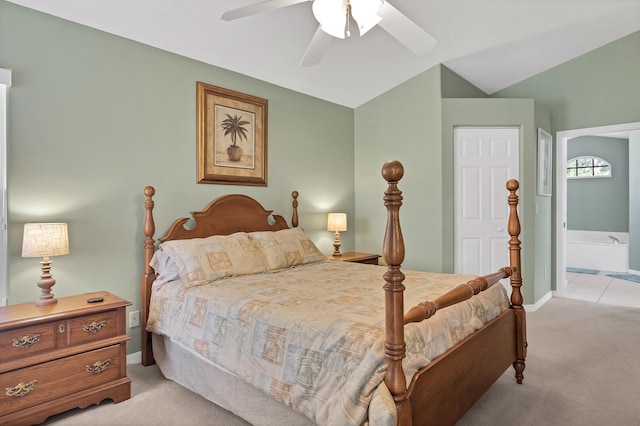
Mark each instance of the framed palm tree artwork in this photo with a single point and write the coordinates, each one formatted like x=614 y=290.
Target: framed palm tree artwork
x=231 y=137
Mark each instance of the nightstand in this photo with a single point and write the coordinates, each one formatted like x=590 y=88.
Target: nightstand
x=57 y=357
x=352 y=256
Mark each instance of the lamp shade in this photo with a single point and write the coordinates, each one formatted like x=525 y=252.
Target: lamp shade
x=337 y=222
x=45 y=239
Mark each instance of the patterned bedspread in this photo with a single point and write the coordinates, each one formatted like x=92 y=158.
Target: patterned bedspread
x=313 y=336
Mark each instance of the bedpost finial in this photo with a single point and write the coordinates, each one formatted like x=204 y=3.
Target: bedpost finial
x=392 y=171
x=294 y=204
x=149 y=191
x=513 y=185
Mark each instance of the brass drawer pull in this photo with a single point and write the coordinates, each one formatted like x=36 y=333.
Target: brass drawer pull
x=26 y=341
x=21 y=389
x=94 y=327
x=62 y=328
x=98 y=367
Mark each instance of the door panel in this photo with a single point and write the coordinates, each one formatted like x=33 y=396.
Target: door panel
x=485 y=158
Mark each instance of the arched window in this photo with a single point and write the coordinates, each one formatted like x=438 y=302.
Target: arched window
x=588 y=166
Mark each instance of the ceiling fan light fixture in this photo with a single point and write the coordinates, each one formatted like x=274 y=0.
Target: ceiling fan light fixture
x=365 y=13
x=332 y=16
x=334 y=19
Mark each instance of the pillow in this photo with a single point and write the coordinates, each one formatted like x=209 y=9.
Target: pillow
x=286 y=248
x=165 y=268
x=203 y=260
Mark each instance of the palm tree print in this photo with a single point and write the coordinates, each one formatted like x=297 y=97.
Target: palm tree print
x=234 y=126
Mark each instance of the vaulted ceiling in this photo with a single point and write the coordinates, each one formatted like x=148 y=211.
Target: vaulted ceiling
x=491 y=43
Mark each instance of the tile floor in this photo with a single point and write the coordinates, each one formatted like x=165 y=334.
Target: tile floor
x=602 y=289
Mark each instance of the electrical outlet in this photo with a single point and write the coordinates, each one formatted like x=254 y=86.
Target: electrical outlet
x=134 y=319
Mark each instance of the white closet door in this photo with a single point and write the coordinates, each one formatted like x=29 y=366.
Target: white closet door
x=485 y=158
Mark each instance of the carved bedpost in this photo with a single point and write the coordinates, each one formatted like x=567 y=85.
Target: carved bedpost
x=393 y=253
x=516 y=279
x=294 y=203
x=148 y=275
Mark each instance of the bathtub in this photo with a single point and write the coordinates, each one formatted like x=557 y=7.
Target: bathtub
x=598 y=250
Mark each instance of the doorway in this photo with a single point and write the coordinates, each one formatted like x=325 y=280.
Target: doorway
x=484 y=159
x=5 y=81
x=562 y=139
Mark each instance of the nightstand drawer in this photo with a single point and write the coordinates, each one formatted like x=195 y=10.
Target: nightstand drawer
x=91 y=328
x=30 y=386
x=27 y=341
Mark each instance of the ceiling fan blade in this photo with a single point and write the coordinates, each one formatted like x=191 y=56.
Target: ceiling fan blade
x=315 y=51
x=253 y=9
x=405 y=30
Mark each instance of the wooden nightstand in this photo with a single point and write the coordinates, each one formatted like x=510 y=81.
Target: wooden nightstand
x=57 y=357
x=352 y=256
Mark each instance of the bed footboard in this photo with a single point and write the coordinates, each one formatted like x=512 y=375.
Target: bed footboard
x=436 y=394
x=459 y=294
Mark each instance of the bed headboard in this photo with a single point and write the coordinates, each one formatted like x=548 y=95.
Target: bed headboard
x=223 y=216
x=227 y=215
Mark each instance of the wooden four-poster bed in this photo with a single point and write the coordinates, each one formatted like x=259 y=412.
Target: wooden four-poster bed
x=433 y=386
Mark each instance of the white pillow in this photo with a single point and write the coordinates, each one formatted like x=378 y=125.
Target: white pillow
x=165 y=268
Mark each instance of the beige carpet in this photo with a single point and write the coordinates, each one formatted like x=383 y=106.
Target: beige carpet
x=583 y=368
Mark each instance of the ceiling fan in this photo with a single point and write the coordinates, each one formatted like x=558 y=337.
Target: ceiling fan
x=334 y=17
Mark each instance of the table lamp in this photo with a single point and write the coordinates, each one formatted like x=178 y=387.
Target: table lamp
x=45 y=240
x=337 y=222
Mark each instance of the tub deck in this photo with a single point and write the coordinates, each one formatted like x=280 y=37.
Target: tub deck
x=605 y=251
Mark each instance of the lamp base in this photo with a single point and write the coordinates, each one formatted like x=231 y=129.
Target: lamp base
x=336 y=244
x=44 y=301
x=45 y=283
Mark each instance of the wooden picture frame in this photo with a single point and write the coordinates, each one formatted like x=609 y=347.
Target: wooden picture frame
x=544 y=169
x=231 y=137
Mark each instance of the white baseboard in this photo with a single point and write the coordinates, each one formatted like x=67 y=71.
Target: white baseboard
x=631 y=271
x=3 y=302
x=134 y=358
x=544 y=299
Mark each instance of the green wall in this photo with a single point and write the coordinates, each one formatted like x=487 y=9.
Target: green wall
x=534 y=211
x=598 y=88
x=454 y=86
x=418 y=130
x=599 y=204
x=402 y=124
x=94 y=118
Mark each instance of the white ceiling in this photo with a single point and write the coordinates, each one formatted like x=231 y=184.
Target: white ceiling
x=491 y=43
